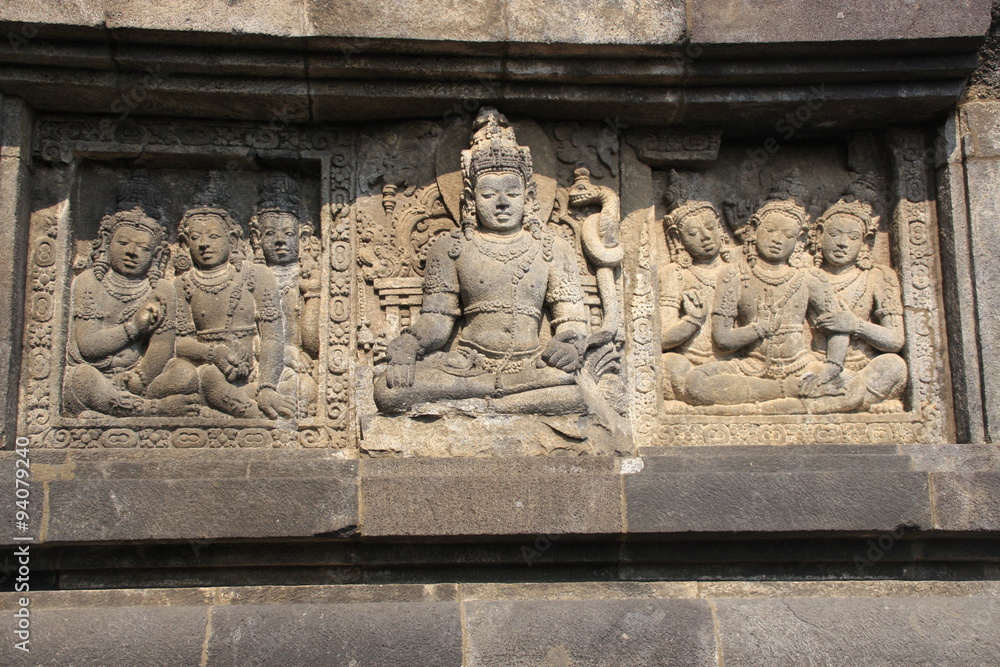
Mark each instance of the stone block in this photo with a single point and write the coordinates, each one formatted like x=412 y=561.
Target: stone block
x=445 y=20
x=105 y=634
x=504 y=496
x=388 y=633
x=981 y=122
x=847 y=632
x=967 y=501
x=982 y=177
x=266 y=17
x=755 y=22
x=659 y=501
x=589 y=632
x=630 y=22
x=133 y=509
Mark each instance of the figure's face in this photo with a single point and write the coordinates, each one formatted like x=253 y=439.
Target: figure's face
x=279 y=238
x=131 y=251
x=500 y=202
x=777 y=235
x=208 y=241
x=842 y=239
x=700 y=234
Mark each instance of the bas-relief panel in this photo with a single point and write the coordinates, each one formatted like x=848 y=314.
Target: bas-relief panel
x=470 y=288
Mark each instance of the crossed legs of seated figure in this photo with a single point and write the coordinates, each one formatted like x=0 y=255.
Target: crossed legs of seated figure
x=89 y=389
x=877 y=387
x=182 y=377
x=533 y=390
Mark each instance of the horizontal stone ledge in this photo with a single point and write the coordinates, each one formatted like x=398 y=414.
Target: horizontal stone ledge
x=687 y=68
x=232 y=494
x=742 y=109
x=655 y=623
x=518 y=24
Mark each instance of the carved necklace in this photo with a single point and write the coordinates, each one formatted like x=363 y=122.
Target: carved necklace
x=774 y=281
x=125 y=289
x=285 y=275
x=850 y=287
x=703 y=279
x=503 y=250
x=213 y=281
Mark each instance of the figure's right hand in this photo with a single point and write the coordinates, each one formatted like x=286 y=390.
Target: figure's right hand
x=693 y=305
x=402 y=356
x=149 y=316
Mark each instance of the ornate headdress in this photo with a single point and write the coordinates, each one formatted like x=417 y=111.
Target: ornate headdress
x=860 y=200
x=494 y=148
x=138 y=206
x=279 y=193
x=213 y=199
x=679 y=206
x=788 y=196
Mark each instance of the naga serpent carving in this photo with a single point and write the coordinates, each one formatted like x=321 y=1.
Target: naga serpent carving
x=599 y=236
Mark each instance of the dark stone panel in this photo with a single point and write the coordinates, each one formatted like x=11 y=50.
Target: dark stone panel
x=658 y=501
x=590 y=632
x=967 y=501
x=131 y=509
x=846 y=632
x=411 y=497
x=109 y=635
x=394 y=634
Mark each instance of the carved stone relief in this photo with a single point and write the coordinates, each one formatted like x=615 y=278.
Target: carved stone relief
x=806 y=319
x=472 y=289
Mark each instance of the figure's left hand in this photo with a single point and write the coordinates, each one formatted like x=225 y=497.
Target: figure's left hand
x=840 y=322
x=274 y=405
x=563 y=352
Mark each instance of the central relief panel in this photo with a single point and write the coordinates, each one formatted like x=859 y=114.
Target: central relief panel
x=477 y=288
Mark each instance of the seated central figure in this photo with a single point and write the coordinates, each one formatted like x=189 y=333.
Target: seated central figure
x=497 y=272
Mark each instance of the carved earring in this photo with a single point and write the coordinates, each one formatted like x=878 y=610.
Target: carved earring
x=865 y=258
x=798 y=258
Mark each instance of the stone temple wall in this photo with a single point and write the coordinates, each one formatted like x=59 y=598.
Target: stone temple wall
x=493 y=333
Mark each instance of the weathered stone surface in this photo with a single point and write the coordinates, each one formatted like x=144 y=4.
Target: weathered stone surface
x=662 y=502
x=131 y=509
x=590 y=632
x=894 y=631
x=15 y=141
x=981 y=176
x=126 y=636
x=697 y=459
x=782 y=21
x=958 y=285
x=953 y=458
x=967 y=501
x=506 y=496
x=389 y=633
x=284 y=18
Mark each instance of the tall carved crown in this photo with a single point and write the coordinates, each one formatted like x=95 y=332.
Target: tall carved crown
x=139 y=205
x=494 y=148
x=860 y=199
x=212 y=198
x=279 y=193
x=679 y=201
x=788 y=196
